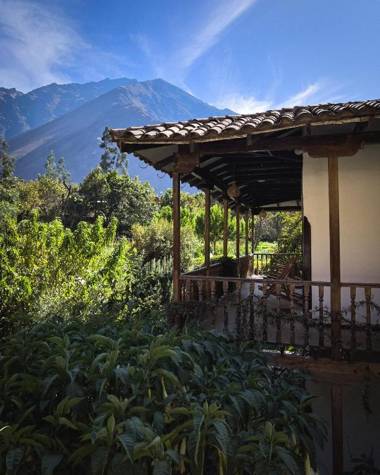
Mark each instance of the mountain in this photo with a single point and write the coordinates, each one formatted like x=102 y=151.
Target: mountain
x=21 y=112
x=75 y=134
x=10 y=117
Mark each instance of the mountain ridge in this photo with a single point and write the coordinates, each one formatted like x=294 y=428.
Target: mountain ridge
x=74 y=134
x=41 y=105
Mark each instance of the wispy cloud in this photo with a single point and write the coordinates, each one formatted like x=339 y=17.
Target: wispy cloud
x=209 y=33
x=244 y=104
x=174 y=65
x=39 y=45
x=304 y=96
x=317 y=92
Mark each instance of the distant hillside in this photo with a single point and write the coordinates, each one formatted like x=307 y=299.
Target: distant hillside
x=75 y=134
x=21 y=112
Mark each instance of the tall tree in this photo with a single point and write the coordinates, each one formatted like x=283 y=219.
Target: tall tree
x=7 y=162
x=110 y=194
x=111 y=158
x=56 y=170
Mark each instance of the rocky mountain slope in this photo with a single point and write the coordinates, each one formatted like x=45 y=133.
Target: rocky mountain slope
x=75 y=133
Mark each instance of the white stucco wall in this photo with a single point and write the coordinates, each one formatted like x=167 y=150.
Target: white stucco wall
x=359 y=196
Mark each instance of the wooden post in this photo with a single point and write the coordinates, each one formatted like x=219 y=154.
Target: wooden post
x=334 y=230
x=253 y=232
x=246 y=222
x=176 y=236
x=337 y=428
x=336 y=390
x=306 y=270
x=207 y=229
x=238 y=239
x=225 y=228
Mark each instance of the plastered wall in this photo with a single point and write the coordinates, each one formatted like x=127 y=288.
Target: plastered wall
x=359 y=195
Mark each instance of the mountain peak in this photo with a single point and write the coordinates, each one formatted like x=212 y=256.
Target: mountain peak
x=70 y=117
x=12 y=92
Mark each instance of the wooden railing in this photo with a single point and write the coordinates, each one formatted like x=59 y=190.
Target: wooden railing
x=287 y=312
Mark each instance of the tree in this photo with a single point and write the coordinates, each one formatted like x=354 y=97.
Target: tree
x=111 y=158
x=7 y=161
x=47 y=269
x=155 y=241
x=110 y=194
x=216 y=224
x=56 y=170
x=290 y=236
x=45 y=194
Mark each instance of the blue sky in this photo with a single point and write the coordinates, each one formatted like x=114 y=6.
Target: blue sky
x=248 y=55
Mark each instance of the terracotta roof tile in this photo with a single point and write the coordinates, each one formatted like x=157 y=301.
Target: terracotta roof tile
x=240 y=125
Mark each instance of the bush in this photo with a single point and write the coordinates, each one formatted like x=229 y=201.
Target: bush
x=96 y=398
x=155 y=241
x=47 y=270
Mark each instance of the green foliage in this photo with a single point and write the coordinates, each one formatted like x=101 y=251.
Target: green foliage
x=290 y=237
x=283 y=228
x=9 y=200
x=105 y=398
x=47 y=269
x=216 y=224
x=111 y=158
x=46 y=194
x=56 y=170
x=155 y=241
x=7 y=162
x=111 y=195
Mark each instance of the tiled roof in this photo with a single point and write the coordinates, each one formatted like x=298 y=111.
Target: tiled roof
x=214 y=128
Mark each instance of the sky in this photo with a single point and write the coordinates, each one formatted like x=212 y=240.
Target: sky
x=248 y=55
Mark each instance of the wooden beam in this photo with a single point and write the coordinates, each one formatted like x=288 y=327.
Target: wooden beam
x=225 y=228
x=207 y=229
x=257 y=209
x=209 y=178
x=164 y=162
x=238 y=238
x=306 y=244
x=246 y=222
x=255 y=170
x=348 y=149
x=337 y=428
x=330 y=371
x=134 y=147
x=252 y=231
x=176 y=236
x=186 y=163
x=334 y=234
x=262 y=142
x=336 y=390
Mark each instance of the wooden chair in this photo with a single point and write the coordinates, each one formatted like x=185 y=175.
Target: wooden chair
x=281 y=271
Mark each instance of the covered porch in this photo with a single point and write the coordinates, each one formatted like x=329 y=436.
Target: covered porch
x=255 y=163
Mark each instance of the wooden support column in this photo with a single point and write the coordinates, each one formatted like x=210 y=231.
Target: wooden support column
x=176 y=236
x=336 y=390
x=238 y=239
x=246 y=222
x=207 y=229
x=334 y=232
x=253 y=232
x=337 y=428
x=225 y=228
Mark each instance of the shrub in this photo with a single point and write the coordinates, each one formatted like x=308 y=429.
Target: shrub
x=95 y=398
x=47 y=269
